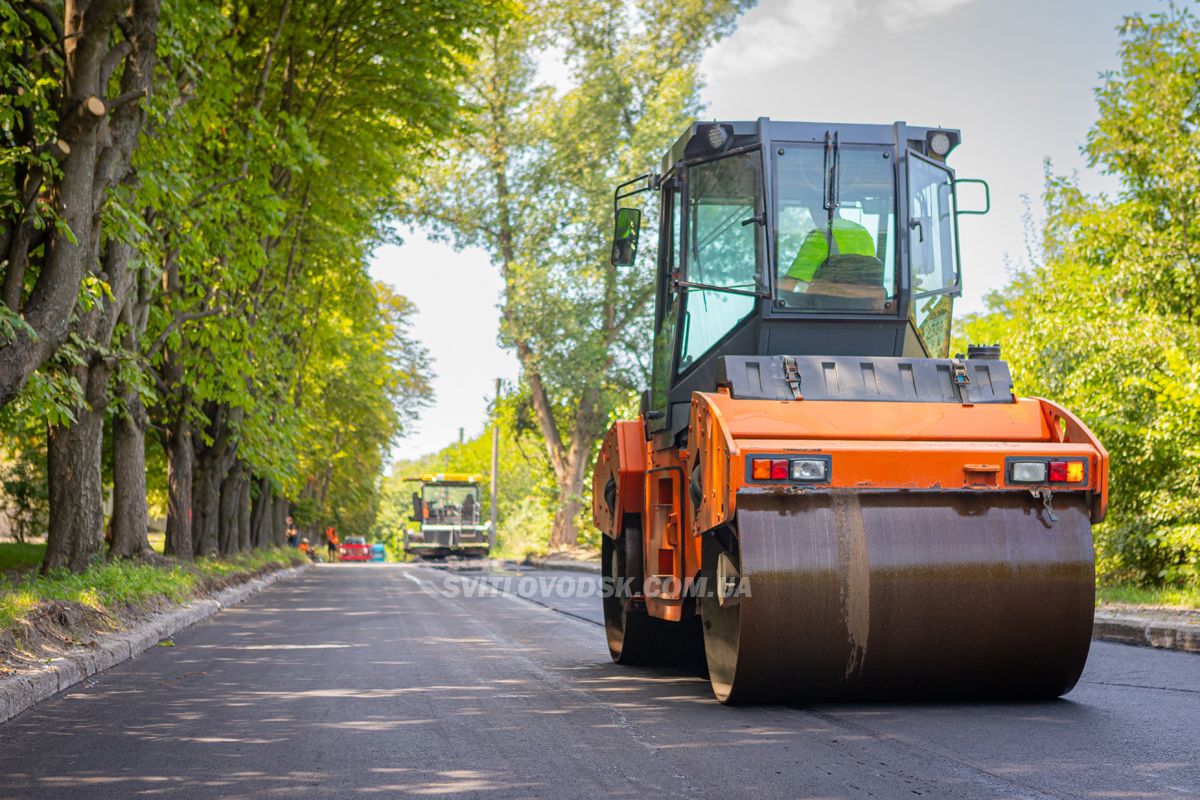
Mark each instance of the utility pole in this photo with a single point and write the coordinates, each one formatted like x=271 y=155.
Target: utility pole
x=495 y=467
x=460 y=435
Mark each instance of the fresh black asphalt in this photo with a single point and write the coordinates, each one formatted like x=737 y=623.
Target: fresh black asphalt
x=400 y=681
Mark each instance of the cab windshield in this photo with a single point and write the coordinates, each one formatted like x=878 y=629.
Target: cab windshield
x=451 y=504
x=836 y=228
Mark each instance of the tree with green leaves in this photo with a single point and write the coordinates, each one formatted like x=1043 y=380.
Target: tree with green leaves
x=76 y=75
x=244 y=159
x=1105 y=319
x=532 y=184
x=241 y=359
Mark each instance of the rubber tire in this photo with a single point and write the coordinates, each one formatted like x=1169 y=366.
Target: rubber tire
x=634 y=637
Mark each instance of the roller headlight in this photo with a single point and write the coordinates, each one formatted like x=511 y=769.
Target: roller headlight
x=1028 y=472
x=808 y=469
x=939 y=144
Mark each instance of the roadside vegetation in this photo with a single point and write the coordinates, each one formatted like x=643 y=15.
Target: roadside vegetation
x=1102 y=314
x=189 y=192
x=61 y=607
x=109 y=586
x=1176 y=595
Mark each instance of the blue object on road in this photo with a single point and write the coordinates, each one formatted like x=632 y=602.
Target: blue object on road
x=378 y=553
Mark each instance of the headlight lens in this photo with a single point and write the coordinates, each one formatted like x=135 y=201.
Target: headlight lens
x=716 y=137
x=1029 y=471
x=808 y=469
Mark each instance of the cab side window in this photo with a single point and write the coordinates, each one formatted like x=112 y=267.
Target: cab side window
x=724 y=250
x=668 y=299
x=933 y=252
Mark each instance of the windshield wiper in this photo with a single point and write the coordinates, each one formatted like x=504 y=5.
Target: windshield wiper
x=832 y=157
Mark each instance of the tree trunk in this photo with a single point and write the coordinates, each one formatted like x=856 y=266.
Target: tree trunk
x=570 y=502
x=279 y=522
x=243 y=515
x=206 y=501
x=179 y=490
x=261 y=515
x=226 y=518
x=76 y=501
x=213 y=464
x=78 y=454
x=231 y=496
x=568 y=462
x=76 y=533
x=100 y=142
x=129 y=515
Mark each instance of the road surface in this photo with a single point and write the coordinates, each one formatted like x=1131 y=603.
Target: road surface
x=397 y=681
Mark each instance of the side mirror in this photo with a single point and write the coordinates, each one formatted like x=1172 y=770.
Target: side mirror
x=625 y=237
x=987 y=196
x=416 y=500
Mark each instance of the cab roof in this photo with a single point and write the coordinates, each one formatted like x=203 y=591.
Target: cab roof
x=448 y=477
x=765 y=130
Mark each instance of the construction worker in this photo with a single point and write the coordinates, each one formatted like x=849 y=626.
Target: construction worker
x=840 y=237
x=305 y=548
x=331 y=543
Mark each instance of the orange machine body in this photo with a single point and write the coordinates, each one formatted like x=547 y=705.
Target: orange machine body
x=872 y=447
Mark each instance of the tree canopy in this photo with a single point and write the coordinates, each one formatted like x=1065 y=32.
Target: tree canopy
x=189 y=194
x=1105 y=318
x=531 y=183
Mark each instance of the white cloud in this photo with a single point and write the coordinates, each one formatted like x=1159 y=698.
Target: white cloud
x=779 y=32
x=901 y=15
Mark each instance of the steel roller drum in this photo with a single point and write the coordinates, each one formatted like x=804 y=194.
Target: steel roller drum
x=855 y=595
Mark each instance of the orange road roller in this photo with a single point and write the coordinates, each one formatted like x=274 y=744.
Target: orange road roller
x=814 y=486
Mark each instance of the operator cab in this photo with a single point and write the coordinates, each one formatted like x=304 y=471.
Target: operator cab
x=795 y=239
x=448 y=502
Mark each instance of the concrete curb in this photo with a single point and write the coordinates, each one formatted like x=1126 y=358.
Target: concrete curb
x=1146 y=632
x=20 y=692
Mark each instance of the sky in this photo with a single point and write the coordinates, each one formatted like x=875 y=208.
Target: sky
x=1015 y=76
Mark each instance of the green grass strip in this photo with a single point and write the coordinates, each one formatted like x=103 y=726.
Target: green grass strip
x=107 y=586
